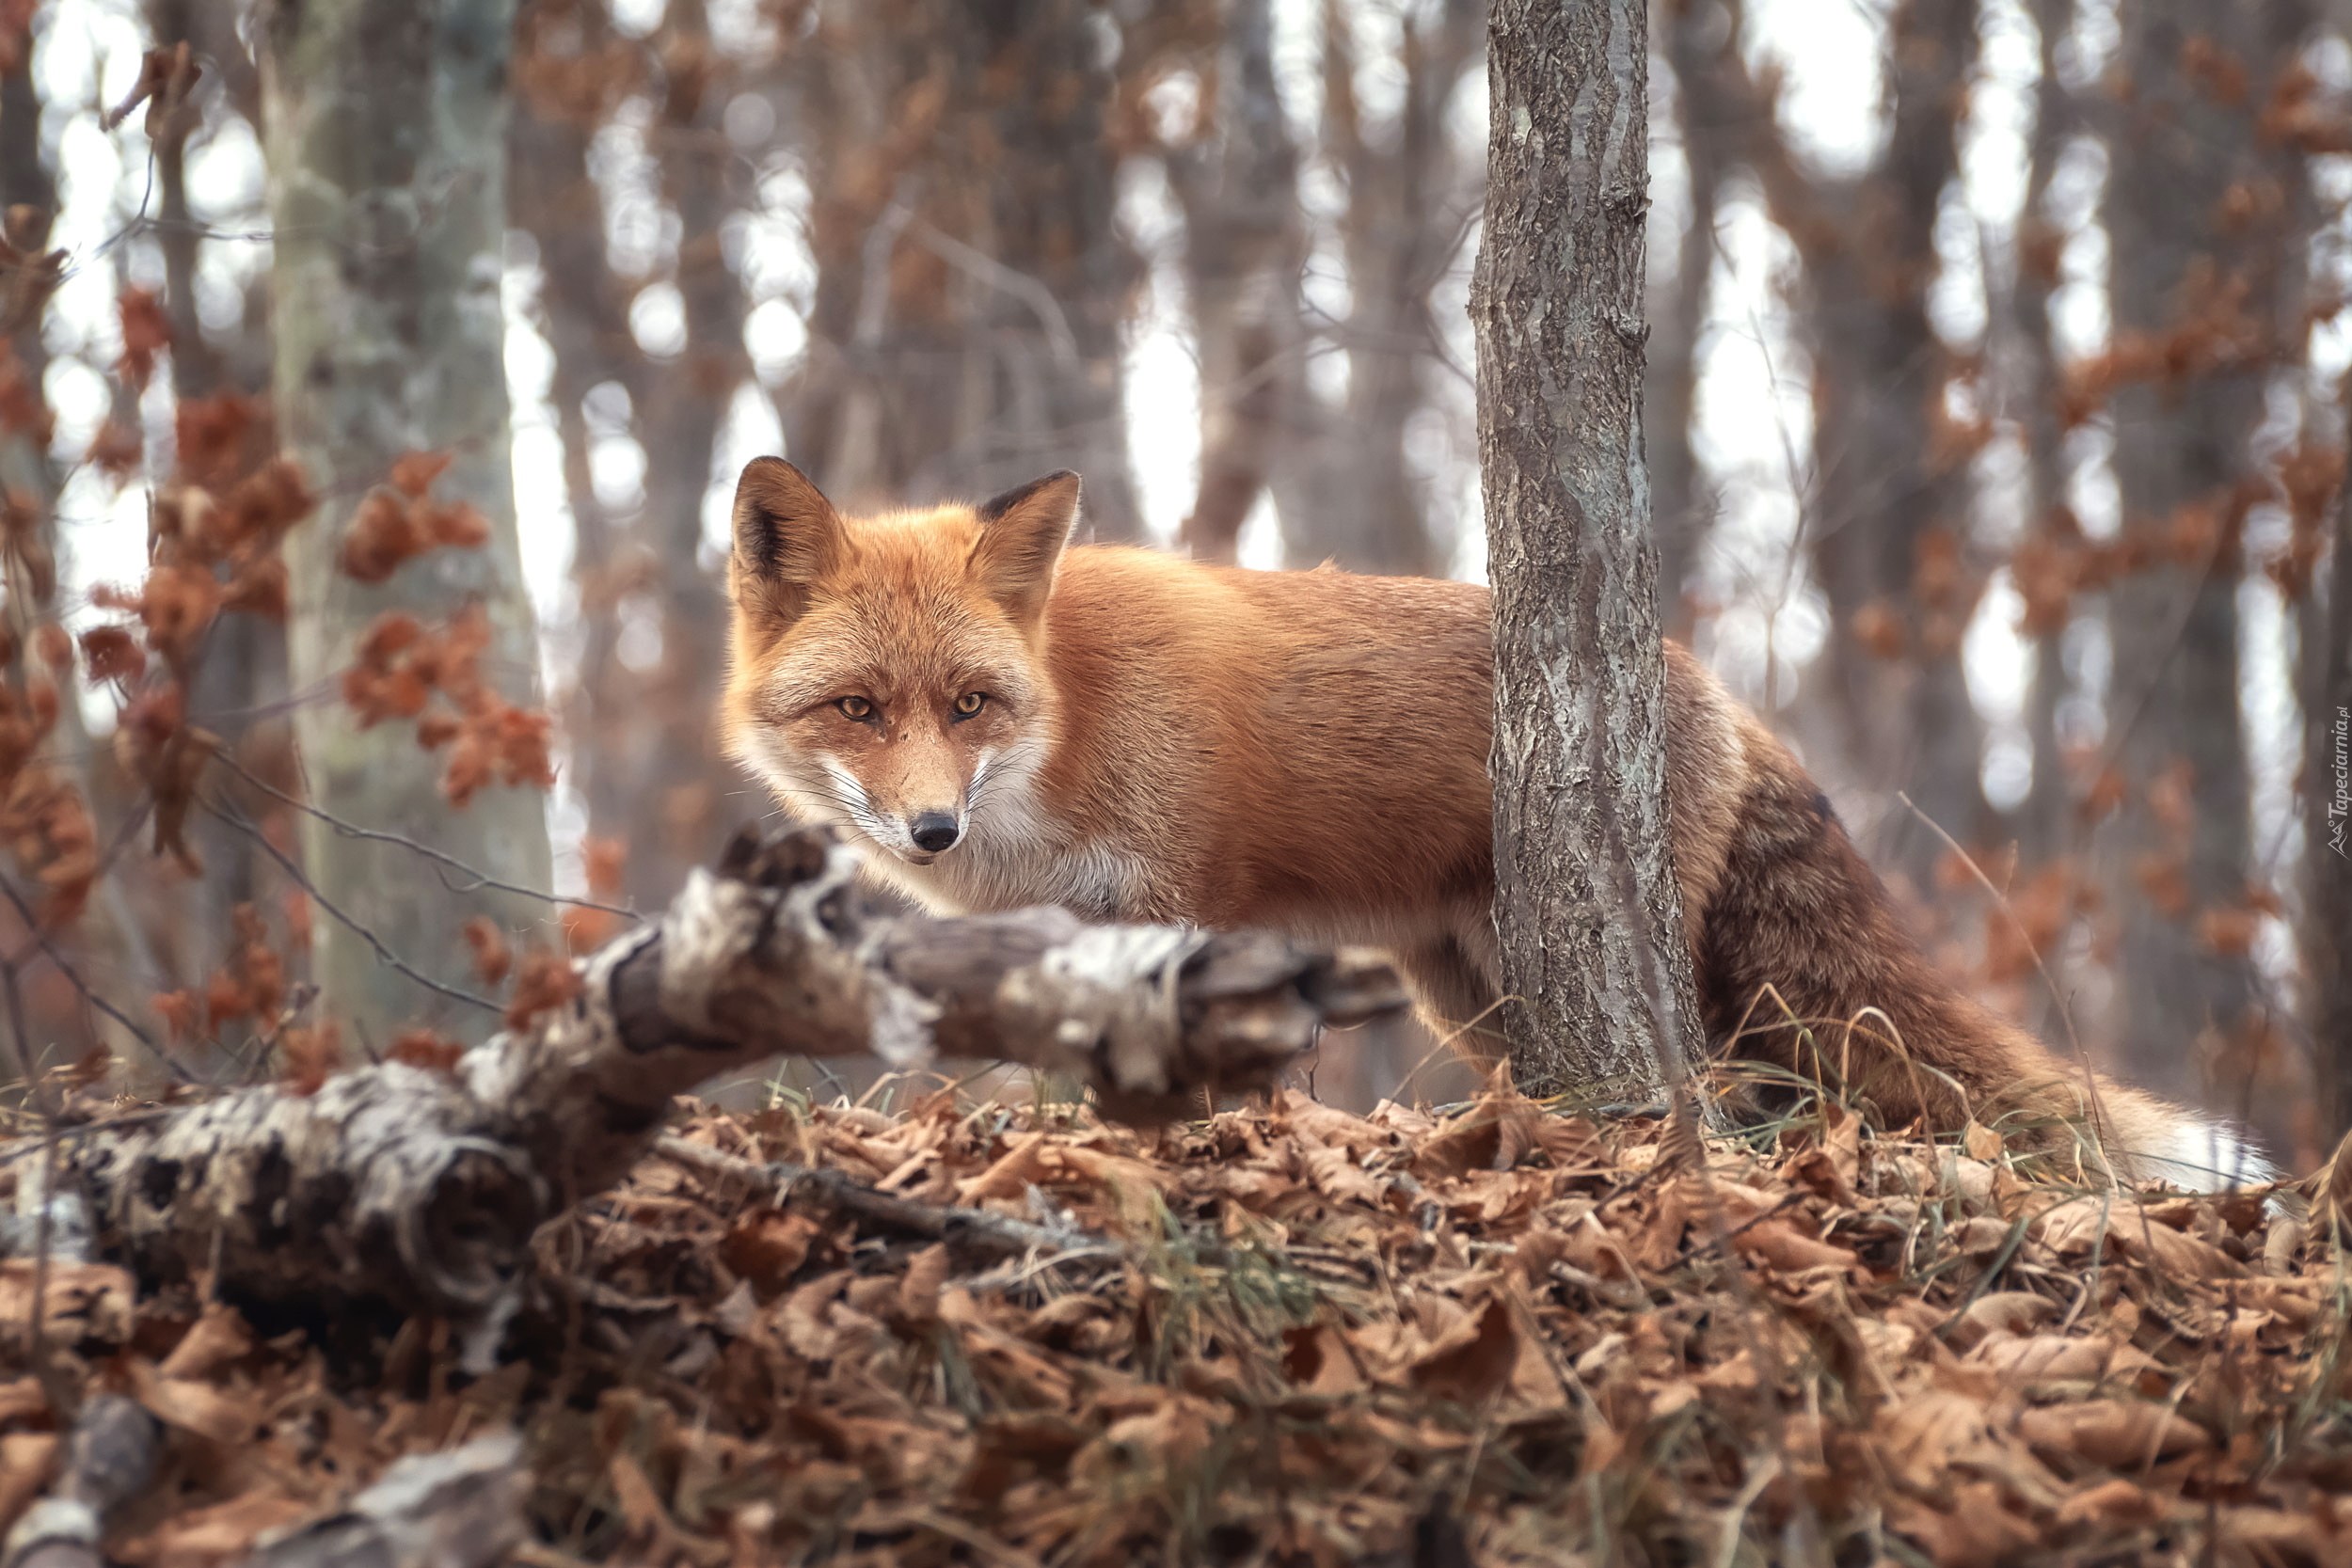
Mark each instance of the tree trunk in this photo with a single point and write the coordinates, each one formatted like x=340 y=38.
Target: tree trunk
x=1888 y=517
x=386 y=125
x=2328 y=833
x=244 y=663
x=566 y=71
x=29 y=203
x=1586 y=904
x=1696 y=36
x=65 y=770
x=676 y=822
x=2043 y=821
x=645 y=759
x=1243 y=250
x=1354 y=498
x=1891 y=523
x=973 y=285
x=2183 y=273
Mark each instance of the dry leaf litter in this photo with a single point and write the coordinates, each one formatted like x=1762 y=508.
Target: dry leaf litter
x=1289 y=1334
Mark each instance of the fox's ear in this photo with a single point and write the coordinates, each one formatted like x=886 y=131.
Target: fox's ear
x=1021 y=534
x=786 y=537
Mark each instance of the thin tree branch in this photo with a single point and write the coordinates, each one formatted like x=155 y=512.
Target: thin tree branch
x=352 y=829
x=237 y=820
x=1011 y=280
x=33 y=927
x=998 y=1236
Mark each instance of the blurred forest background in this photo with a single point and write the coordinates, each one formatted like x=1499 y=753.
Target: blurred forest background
x=1995 y=426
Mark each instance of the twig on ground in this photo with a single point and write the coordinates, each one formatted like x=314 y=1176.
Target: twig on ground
x=997 y=1236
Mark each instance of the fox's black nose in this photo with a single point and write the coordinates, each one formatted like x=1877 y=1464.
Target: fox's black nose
x=935 y=831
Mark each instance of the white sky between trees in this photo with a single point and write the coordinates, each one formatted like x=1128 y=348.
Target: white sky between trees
x=1753 y=429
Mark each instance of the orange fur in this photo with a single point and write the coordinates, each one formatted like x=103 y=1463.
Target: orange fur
x=1158 y=739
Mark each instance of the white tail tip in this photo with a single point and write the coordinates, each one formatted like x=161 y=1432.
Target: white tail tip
x=2199 y=1154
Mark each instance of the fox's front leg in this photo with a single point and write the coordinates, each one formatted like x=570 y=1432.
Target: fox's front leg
x=1455 y=994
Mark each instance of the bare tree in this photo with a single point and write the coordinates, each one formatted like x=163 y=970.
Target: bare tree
x=61 y=777
x=1697 y=34
x=1886 y=519
x=1586 y=905
x=2203 y=232
x=387 y=149
x=971 y=280
x=648 y=764
x=1243 y=249
x=2327 y=831
x=243 y=667
x=570 y=71
x=1892 y=512
x=678 y=823
x=2043 y=821
x=1347 y=492
x=29 y=191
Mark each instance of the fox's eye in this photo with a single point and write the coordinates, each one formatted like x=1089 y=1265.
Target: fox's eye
x=970 y=703
x=856 y=707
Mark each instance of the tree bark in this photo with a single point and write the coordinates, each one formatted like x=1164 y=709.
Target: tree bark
x=1243 y=249
x=466 y=1507
x=1351 y=495
x=973 y=285
x=2184 y=272
x=244 y=664
x=1695 y=37
x=398 y=1184
x=110 y=1459
x=1586 y=903
x=2327 y=831
x=386 y=138
x=2044 y=821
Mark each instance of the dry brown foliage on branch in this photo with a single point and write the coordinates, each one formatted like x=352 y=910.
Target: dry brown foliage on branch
x=1291 y=1335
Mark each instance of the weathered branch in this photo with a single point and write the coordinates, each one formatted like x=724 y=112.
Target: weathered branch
x=979 y=1232
x=404 y=1185
x=110 y=1459
x=463 y=1507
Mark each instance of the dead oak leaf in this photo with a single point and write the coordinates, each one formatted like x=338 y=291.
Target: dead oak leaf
x=1472 y=1365
x=2115 y=1435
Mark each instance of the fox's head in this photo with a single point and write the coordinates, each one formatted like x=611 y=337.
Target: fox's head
x=889 y=671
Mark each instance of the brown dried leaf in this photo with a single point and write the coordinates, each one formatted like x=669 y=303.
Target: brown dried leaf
x=2117 y=1434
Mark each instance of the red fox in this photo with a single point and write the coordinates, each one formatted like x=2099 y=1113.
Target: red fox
x=1142 y=738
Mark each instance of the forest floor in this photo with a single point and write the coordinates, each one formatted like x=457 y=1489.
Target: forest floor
x=1494 y=1335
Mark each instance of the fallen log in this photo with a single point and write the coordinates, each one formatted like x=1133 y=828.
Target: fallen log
x=462 y=1507
x=397 y=1184
x=109 y=1459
